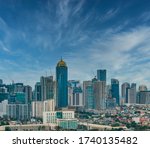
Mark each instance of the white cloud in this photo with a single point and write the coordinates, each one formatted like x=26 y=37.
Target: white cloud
x=119 y=54
x=3 y=47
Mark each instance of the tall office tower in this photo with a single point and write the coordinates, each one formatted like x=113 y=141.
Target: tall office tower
x=61 y=84
x=115 y=90
x=110 y=102
x=47 y=87
x=132 y=94
x=124 y=88
x=108 y=91
x=28 y=93
x=142 y=88
x=101 y=75
x=143 y=97
x=37 y=92
x=99 y=93
x=28 y=98
x=88 y=98
x=18 y=87
x=75 y=97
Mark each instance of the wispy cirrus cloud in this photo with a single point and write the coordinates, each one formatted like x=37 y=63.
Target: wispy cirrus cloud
x=3 y=47
x=89 y=34
x=122 y=54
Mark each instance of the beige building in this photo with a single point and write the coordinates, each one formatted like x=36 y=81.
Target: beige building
x=37 y=109
x=99 y=89
x=52 y=116
x=49 y=105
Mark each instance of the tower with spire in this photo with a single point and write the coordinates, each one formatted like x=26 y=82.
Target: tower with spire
x=61 y=84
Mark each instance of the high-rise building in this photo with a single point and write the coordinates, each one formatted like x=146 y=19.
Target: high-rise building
x=3 y=105
x=101 y=75
x=124 y=88
x=17 y=111
x=61 y=84
x=108 y=91
x=115 y=90
x=75 y=97
x=47 y=87
x=49 y=105
x=37 y=92
x=18 y=87
x=4 y=96
x=28 y=93
x=37 y=109
x=88 y=98
x=131 y=94
x=143 y=88
x=144 y=97
x=99 y=93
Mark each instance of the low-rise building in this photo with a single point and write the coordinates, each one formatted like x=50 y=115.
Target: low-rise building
x=64 y=119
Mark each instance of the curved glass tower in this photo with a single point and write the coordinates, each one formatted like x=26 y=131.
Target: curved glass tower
x=61 y=84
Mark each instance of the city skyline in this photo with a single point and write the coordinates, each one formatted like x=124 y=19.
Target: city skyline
x=89 y=35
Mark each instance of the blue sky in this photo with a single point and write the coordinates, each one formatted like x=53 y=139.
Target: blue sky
x=88 y=34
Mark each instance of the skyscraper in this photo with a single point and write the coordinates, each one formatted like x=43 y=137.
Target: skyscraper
x=28 y=93
x=101 y=75
x=124 y=89
x=143 y=88
x=99 y=92
x=37 y=92
x=61 y=84
x=115 y=90
x=47 y=87
x=144 y=97
x=75 y=94
x=88 y=97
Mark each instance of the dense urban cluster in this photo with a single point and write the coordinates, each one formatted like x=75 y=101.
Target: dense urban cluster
x=64 y=104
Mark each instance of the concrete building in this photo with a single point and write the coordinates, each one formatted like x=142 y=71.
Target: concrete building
x=49 y=105
x=37 y=109
x=143 y=88
x=64 y=119
x=17 y=111
x=52 y=116
x=75 y=96
x=99 y=93
x=131 y=94
x=28 y=94
x=124 y=87
x=47 y=88
x=3 y=110
x=18 y=87
x=144 y=97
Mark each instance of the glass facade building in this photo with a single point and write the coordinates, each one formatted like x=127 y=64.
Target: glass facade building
x=101 y=75
x=115 y=90
x=61 y=84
